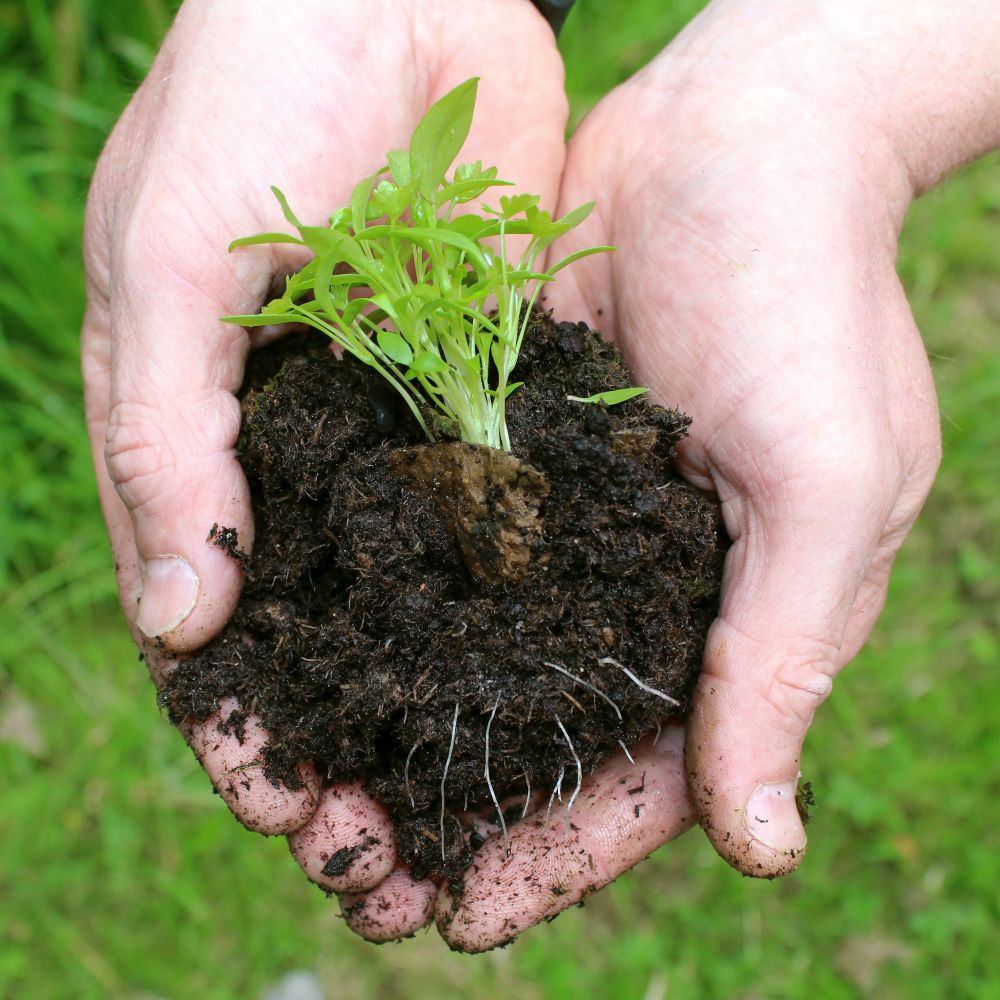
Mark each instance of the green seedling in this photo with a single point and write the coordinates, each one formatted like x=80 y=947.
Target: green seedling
x=410 y=281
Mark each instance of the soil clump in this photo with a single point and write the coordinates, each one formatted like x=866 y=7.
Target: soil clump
x=405 y=603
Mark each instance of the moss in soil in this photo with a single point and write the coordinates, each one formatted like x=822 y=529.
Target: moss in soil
x=403 y=598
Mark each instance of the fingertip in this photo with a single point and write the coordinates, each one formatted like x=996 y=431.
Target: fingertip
x=398 y=908
x=349 y=843
x=743 y=761
x=234 y=767
x=187 y=596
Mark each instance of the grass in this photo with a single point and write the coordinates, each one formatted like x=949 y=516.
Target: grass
x=122 y=876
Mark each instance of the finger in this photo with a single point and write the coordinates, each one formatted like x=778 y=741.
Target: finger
x=622 y=814
x=169 y=450
x=349 y=844
x=397 y=908
x=233 y=761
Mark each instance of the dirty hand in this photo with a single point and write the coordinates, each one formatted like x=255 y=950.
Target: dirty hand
x=755 y=190
x=308 y=96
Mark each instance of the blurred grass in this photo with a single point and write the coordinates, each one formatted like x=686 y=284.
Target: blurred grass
x=121 y=876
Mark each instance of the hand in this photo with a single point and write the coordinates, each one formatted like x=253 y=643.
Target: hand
x=755 y=197
x=309 y=96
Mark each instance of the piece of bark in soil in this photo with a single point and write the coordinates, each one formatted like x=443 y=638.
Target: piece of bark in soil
x=490 y=500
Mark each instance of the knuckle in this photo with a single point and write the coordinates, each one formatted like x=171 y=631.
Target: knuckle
x=802 y=683
x=145 y=445
x=135 y=451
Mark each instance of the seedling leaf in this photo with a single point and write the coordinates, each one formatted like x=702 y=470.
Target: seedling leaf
x=440 y=135
x=611 y=397
x=394 y=347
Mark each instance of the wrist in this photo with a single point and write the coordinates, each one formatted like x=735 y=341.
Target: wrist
x=916 y=77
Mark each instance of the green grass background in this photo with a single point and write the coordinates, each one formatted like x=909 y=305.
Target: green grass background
x=122 y=876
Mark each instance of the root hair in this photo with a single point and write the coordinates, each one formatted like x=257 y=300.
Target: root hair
x=638 y=683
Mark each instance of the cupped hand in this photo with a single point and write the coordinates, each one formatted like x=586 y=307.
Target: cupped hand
x=756 y=216
x=309 y=96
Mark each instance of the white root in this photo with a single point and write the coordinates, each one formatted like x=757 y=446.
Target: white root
x=557 y=787
x=659 y=729
x=406 y=774
x=489 y=783
x=527 y=795
x=586 y=684
x=579 y=772
x=638 y=683
x=631 y=759
x=444 y=777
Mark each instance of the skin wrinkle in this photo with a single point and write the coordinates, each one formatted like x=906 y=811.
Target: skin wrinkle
x=134 y=457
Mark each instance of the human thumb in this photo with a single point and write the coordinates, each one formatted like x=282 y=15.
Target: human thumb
x=792 y=578
x=181 y=522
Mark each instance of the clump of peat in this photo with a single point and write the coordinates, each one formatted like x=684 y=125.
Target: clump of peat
x=408 y=605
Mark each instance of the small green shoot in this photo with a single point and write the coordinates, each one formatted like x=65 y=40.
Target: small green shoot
x=410 y=282
x=610 y=398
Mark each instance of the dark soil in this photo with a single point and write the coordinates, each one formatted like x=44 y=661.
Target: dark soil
x=399 y=592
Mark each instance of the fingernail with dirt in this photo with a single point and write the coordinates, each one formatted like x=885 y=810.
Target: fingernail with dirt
x=772 y=817
x=169 y=594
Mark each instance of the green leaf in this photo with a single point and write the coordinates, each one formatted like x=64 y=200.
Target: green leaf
x=286 y=211
x=440 y=135
x=517 y=203
x=260 y=238
x=511 y=388
x=391 y=200
x=341 y=219
x=399 y=166
x=579 y=255
x=261 y=319
x=427 y=363
x=611 y=397
x=338 y=245
x=572 y=219
x=394 y=347
x=360 y=197
x=468 y=225
x=422 y=236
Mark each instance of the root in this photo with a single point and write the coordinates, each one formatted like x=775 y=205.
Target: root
x=631 y=759
x=406 y=774
x=638 y=683
x=579 y=773
x=659 y=729
x=556 y=789
x=489 y=784
x=586 y=684
x=444 y=777
x=527 y=795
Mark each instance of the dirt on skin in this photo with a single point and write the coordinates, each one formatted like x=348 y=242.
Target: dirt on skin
x=408 y=604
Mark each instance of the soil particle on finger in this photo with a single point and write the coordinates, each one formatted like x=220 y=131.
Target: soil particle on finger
x=340 y=862
x=404 y=599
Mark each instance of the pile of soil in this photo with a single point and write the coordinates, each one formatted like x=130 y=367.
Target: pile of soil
x=406 y=602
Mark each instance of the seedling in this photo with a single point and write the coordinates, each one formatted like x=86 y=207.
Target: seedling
x=422 y=289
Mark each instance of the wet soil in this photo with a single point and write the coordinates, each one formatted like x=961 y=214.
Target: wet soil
x=408 y=605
